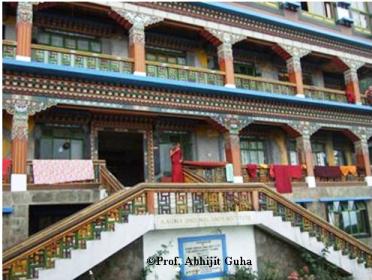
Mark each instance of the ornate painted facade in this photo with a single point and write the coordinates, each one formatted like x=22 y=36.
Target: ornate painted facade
x=235 y=83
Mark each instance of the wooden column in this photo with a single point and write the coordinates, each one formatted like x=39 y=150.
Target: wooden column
x=306 y=157
x=226 y=63
x=19 y=148
x=362 y=159
x=137 y=48
x=24 y=31
x=352 y=84
x=295 y=74
x=232 y=150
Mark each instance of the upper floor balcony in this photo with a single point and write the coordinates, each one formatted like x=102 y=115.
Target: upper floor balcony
x=187 y=53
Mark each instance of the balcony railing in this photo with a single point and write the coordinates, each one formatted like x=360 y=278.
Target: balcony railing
x=211 y=172
x=184 y=73
x=266 y=85
x=325 y=93
x=9 y=49
x=79 y=59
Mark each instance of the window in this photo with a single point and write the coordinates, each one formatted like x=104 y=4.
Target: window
x=69 y=41
x=334 y=80
x=253 y=150
x=292 y=152
x=61 y=143
x=360 y=15
x=166 y=56
x=350 y=216
x=246 y=68
x=166 y=140
x=319 y=154
x=304 y=6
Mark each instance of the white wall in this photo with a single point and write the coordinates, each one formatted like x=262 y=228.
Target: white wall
x=239 y=243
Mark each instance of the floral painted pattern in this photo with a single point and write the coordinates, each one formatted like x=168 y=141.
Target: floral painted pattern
x=62 y=171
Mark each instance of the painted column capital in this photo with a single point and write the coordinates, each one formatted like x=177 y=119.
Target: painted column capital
x=352 y=64
x=228 y=39
x=306 y=128
x=139 y=22
x=21 y=107
x=295 y=52
x=232 y=123
x=24 y=12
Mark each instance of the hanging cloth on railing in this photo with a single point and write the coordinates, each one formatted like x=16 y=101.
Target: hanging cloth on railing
x=252 y=170
x=6 y=167
x=62 y=171
x=328 y=172
x=282 y=178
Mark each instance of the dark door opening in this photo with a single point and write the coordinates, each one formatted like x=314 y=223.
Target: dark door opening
x=42 y=216
x=124 y=155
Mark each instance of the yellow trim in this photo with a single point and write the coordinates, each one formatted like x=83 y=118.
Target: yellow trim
x=319 y=17
x=314 y=88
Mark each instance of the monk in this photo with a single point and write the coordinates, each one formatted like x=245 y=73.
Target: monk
x=176 y=158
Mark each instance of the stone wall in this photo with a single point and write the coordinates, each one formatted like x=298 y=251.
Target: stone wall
x=16 y=224
x=270 y=249
x=125 y=264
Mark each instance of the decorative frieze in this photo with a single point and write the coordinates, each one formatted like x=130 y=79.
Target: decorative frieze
x=24 y=12
x=352 y=64
x=88 y=92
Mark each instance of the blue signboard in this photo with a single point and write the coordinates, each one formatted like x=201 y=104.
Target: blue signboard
x=202 y=257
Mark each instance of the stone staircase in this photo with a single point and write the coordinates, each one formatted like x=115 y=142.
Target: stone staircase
x=83 y=240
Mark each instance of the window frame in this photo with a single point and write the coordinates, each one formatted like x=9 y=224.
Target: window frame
x=365 y=215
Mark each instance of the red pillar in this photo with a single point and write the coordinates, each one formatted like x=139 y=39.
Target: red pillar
x=24 y=30
x=352 y=84
x=226 y=63
x=137 y=49
x=362 y=156
x=232 y=149
x=295 y=74
x=306 y=157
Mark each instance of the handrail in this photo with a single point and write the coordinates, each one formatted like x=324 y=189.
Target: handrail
x=58 y=240
x=185 y=67
x=9 y=42
x=192 y=176
x=260 y=79
x=341 y=92
x=109 y=181
x=82 y=53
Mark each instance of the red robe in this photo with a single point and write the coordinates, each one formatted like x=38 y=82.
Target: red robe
x=177 y=173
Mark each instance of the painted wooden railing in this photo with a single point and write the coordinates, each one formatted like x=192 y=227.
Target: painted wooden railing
x=108 y=180
x=184 y=73
x=9 y=49
x=325 y=93
x=80 y=59
x=266 y=85
x=40 y=251
x=211 y=172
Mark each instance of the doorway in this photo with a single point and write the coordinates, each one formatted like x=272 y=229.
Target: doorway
x=124 y=155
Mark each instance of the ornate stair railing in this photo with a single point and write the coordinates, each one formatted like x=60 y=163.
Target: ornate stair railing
x=109 y=181
x=191 y=176
x=57 y=241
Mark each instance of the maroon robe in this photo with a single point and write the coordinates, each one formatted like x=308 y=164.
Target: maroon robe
x=177 y=173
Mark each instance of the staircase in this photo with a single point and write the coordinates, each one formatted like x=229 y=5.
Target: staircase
x=70 y=246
